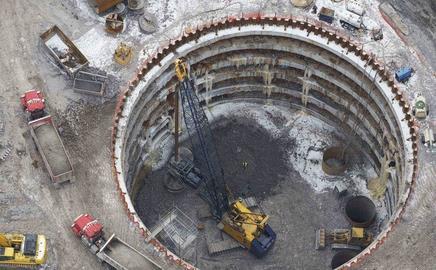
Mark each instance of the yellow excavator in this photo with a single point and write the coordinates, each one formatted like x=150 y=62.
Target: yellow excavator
x=22 y=250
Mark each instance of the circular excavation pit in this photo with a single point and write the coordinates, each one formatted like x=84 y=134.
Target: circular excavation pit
x=278 y=93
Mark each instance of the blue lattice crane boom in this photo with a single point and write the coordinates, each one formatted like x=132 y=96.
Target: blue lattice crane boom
x=235 y=218
x=202 y=143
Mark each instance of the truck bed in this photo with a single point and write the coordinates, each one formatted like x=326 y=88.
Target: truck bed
x=127 y=257
x=50 y=146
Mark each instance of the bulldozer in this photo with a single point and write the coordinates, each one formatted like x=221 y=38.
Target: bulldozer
x=22 y=250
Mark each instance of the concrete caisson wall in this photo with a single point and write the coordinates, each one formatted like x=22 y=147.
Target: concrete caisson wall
x=288 y=61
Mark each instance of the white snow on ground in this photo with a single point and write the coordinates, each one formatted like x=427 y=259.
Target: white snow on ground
x=56 y=43
x=312 y=136
x=310 y=133
x=98 y=46
x=86 y=10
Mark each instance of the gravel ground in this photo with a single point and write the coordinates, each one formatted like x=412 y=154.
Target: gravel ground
x=296 y=210
x=29 y=203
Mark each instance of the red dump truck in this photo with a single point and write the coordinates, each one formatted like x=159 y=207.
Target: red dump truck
x=47 y=139
x=112 y=250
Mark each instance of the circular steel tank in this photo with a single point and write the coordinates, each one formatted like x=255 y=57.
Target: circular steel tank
x=342 y=257
x=360 y=211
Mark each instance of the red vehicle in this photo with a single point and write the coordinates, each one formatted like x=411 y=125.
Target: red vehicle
x=34 y=103
x=112 y=251
x=47 y=139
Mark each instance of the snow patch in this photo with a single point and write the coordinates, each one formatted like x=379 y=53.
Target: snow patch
x=98 y=47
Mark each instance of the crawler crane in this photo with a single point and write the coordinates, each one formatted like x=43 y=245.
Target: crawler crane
x=250 y=229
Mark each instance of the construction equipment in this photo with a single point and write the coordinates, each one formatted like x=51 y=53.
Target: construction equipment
x=123 y=54
x=326 y=15
x=354 y=238
x=355 y=6
x=349 y=20
x=22 y=250
x=47 y=139
x=34 y=103
x=249 y=229
x=403 y=74
x=103 y=5
x=63 y=50
x=136 y=6
x=90 y=82
x=420 y=109
x=428 y=138
x=186 y=172
x=115 y=23
x=112 y=251
x=147 y=23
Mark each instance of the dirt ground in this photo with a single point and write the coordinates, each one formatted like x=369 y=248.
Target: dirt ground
x=30 y=203
x=296 y=211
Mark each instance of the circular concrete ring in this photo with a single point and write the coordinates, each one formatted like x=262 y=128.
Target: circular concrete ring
x=173 y=185
x=236 y=34
x=360 y=211
x=333 y=161
x=342 y=257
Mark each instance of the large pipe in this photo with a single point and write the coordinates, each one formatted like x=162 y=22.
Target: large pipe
x=342 y=257
x=333 y=160
x=360 y=211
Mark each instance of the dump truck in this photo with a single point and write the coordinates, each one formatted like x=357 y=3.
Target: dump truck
x=47 y=139
x=112 y=251
x=22 y=250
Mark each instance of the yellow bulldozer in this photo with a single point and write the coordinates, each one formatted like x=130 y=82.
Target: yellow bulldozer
x=22 y=250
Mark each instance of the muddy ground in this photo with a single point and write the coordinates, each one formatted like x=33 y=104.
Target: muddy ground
x=30 y=203
x=296 y=210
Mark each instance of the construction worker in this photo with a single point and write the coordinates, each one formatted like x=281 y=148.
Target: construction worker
x=244 y=164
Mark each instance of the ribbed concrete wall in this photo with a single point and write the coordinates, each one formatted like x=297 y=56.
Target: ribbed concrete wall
x=351 y=87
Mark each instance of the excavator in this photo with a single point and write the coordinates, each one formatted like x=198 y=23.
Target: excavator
x=249 y=229
x=22 y=250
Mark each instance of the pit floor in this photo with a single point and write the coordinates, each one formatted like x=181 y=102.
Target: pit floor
x=283 y=151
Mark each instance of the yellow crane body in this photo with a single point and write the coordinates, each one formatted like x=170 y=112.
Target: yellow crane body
x=245 y=226
x=22 y=249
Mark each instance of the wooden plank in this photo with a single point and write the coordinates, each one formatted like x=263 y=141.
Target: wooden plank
x=103 y=5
